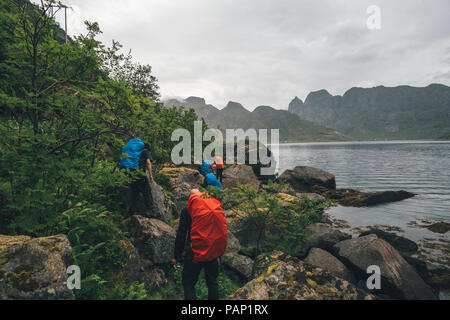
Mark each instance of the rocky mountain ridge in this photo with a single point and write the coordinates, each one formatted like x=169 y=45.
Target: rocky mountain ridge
x=401 y=112
x=235 y=116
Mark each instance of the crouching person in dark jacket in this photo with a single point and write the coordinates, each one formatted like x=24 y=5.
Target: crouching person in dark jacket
x=203 y=223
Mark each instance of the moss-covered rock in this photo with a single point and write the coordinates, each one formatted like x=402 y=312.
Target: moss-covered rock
x=181 y=181
x=286 y=278
x=34 y=268
x=242 y=174
x=154 y=239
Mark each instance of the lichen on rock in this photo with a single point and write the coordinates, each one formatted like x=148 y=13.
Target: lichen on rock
x=289 y=278
x=34 y=268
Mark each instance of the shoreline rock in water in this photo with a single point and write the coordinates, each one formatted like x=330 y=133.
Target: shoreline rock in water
x=309 y=179
x=439 y=227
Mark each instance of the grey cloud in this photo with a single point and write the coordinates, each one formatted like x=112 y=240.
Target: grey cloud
x=265 y=52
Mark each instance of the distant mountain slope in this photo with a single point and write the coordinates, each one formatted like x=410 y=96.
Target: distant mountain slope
x=402 y=112
x=234 y=116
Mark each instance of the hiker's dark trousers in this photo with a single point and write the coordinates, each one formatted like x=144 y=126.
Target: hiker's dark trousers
x=140 y=186
x=191 y=271
x=219 y=173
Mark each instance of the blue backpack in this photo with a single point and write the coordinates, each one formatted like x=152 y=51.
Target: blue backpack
x=206 y=167
x=131 y=153
x=211 y=180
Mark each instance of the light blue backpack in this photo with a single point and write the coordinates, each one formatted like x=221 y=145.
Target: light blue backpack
x=131 y=153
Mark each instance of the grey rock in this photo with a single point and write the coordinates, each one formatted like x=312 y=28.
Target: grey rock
x=242 y=174
x=163 y=207
x=325 y=260
x=398 y=278
x=290 y=279
x=400 y=243
x=243 y=265
x=233 y=244
x=303 y=178
x=154 y=238
x=34 y=268
x=182 y=180
x=154 y=277
x=323 y=236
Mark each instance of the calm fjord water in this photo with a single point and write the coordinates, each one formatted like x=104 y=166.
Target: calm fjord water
x=422 y=167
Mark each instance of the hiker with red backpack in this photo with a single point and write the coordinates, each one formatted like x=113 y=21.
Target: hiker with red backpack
x=136 y=155
x=203 y=223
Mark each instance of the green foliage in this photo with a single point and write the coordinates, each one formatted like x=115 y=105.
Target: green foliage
x=66 y=110
x=93 y=288
x=163 y=180
x=132 y=291
x=281 y=225
x=96 y=248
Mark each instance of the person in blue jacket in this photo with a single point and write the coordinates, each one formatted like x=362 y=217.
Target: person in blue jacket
x=210 y=178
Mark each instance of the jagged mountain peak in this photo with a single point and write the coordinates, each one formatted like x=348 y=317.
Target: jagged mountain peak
x=195 y=100
x=318 y=94
x=232 y=105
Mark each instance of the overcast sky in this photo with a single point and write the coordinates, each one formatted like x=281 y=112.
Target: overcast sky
x=265 y=52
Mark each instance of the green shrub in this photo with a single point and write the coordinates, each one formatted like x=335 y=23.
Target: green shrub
x=281 y=226
x=96 y=248
x=132 y=291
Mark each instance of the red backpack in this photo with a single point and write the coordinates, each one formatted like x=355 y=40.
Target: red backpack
x=209 y=234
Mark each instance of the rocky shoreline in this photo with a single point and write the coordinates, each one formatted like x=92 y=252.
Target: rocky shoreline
x=330 y=264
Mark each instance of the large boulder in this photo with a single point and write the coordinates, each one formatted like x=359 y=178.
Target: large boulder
x=233 y=244
x=402 y=244
x=322 y=236
x=398 y=278
x=242 y=174
x=153 y=238
x=303 y=178
x=34 y=268
x=294 y=280
x=325 y=260
x=141 y=269
x=239 y=263
x=182 y=180
x=163 y=206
